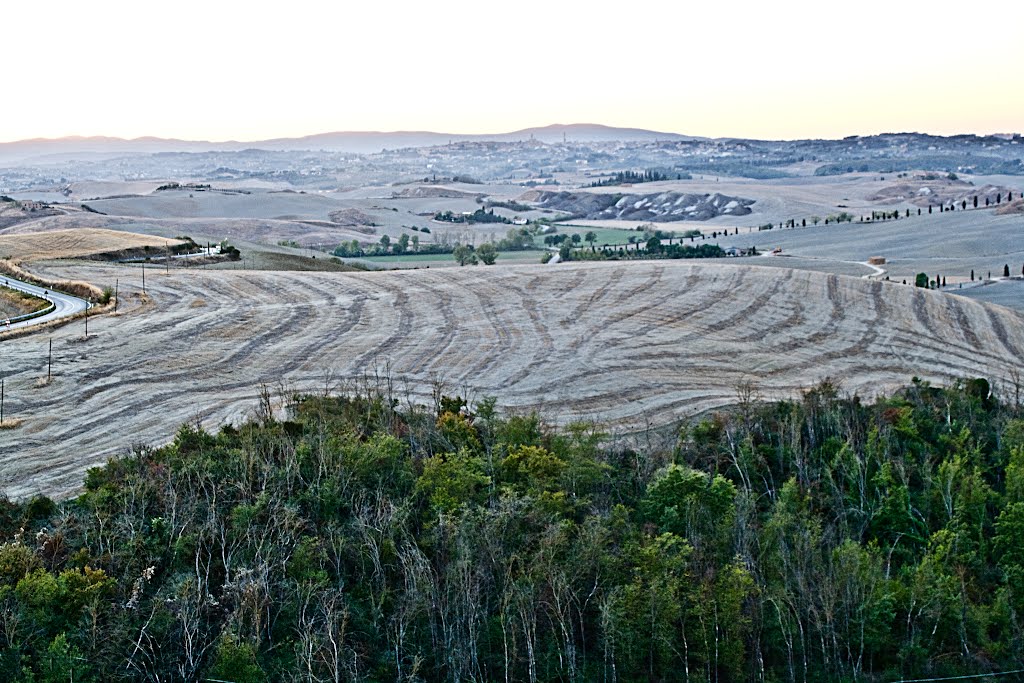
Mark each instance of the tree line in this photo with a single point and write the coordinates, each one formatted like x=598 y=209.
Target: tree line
x=354 y=537
x=481 y=215
x=637 y=177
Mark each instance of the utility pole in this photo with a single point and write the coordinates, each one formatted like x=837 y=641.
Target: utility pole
x=1 y=401
x=49 y=360
x=167 y=262
x=86 y=319
x=115 y=295
x=143 y=277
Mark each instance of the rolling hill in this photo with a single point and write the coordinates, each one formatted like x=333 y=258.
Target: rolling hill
x=629 y=345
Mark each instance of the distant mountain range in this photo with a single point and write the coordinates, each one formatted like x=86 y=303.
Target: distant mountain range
x=40 y=151
x=368 y=142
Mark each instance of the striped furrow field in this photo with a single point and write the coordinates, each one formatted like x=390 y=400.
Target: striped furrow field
x=627 y=345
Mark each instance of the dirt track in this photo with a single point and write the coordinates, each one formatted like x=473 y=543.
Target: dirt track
x=626 y=344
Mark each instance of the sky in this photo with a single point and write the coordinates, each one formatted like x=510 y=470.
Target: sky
x=227 y=70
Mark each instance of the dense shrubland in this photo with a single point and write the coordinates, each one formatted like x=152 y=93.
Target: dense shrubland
x=824 y=538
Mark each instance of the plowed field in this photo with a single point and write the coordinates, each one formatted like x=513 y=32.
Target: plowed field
x=626 y=344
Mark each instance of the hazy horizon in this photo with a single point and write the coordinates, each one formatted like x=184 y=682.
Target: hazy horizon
x=495 y=133
x=234 y=72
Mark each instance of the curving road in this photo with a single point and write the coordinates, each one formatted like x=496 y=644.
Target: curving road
x=64 y=304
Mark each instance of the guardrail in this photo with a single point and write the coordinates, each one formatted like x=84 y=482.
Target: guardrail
x=27 y=316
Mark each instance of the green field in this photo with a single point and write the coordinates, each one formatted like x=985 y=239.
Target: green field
x=604 y=235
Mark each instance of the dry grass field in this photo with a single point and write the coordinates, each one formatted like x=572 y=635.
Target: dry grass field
x=235 y=230
x=951 y=244
x=627 y=344
x=310 y=218
x=76 y=243
x=776 y=200
x=221 y=204
x=13 y=302
x=1014 y=208
x=9 y=308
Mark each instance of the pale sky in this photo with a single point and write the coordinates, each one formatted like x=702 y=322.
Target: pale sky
x=221 y=69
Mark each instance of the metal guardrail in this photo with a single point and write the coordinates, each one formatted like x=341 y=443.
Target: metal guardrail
x=27 y=316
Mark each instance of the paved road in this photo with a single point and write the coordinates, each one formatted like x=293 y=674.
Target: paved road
x=64 y=304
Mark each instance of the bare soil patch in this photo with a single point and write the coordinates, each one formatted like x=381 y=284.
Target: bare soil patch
x=1014 y=208
x=13 y=213
x=350 y=217
x=435 y=193
x=933 y=189
x=639 y=206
